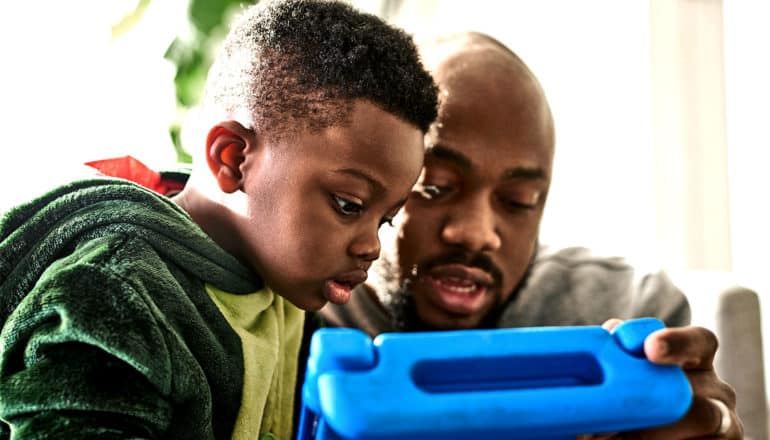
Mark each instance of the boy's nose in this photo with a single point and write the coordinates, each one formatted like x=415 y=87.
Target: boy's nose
x=472 y=226
x=366 y=246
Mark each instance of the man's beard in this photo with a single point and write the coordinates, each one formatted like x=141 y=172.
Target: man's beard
x=394 y=295
x=398 y=296
x=403 y=310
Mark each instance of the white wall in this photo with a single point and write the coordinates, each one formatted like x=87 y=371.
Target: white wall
x=747 y=73
x=69 y=93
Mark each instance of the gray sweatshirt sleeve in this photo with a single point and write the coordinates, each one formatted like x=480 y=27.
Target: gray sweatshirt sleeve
x=574 y=287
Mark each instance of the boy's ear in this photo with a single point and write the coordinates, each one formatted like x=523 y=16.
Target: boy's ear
x=225 y=151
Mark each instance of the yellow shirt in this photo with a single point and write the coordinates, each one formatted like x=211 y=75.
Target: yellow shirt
x=270 y=329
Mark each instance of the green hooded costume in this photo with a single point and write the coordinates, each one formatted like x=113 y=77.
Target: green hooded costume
x=108 y=329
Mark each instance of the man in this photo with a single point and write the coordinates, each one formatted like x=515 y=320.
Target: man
x=466 y=252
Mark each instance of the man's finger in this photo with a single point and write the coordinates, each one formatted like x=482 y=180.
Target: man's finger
x=688 y=347
x=611 y=323
x=703 y=420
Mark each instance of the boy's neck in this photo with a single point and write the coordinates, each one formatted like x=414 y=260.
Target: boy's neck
x=215 y=219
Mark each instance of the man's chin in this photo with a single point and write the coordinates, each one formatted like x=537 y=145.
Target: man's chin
x=443 y=320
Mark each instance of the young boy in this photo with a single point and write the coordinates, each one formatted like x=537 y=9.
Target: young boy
x=126 y=314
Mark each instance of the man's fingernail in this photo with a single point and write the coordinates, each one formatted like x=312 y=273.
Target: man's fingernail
x=663 y=348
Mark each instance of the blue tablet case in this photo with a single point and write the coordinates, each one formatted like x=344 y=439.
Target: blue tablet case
x=545 y=383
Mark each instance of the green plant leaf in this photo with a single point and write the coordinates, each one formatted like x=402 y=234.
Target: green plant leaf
x=193 y=55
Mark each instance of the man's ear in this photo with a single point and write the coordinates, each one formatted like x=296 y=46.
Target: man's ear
x=225 y=151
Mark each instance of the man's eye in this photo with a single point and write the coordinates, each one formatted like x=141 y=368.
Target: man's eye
x=387 y=220
x=346 y=207
x=521 y=201
x=515 y=205
x=431 y=192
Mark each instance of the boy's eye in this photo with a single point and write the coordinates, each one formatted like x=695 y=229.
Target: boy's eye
x=346 y=207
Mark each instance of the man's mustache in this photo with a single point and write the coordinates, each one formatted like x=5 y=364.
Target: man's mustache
x=479 y=261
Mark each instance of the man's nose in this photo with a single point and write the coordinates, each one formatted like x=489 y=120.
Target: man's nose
x=472 y=225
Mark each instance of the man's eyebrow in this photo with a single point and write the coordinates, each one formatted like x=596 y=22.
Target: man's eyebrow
x=528 y=173
x=358 y=174
x=442 y=152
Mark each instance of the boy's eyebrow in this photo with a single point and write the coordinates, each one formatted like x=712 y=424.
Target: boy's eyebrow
x=358 y=174
x=520 y=172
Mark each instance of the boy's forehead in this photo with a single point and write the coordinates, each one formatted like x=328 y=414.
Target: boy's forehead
x=370 y=144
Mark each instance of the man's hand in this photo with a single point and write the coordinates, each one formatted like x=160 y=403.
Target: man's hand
x=693 y=349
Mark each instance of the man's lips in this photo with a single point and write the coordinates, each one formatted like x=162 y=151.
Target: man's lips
x=463 y=272
x=338 y=289
x=458 y=288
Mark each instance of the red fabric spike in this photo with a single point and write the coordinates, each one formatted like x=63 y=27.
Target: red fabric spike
x=129 y=168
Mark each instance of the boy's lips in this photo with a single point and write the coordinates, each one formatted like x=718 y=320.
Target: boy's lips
x=338 y=289
x=458 y=288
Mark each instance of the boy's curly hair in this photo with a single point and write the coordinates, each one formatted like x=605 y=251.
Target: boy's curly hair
x=300 y=64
